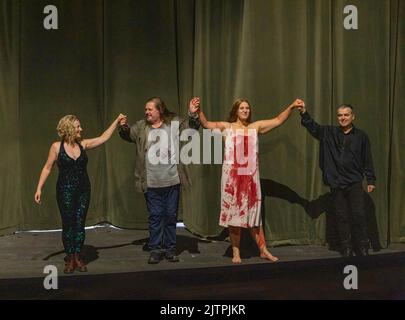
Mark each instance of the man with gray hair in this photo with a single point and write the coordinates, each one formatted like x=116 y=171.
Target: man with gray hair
x=345 y=158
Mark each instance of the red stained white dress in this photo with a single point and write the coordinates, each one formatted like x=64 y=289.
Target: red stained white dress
x=240 y=183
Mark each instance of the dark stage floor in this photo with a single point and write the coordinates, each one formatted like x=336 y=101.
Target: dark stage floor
x=118 y=269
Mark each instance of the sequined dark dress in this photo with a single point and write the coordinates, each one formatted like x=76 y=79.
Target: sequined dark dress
x=73 y=196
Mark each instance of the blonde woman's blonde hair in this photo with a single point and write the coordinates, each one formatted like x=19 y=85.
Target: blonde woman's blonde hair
x=66 y=129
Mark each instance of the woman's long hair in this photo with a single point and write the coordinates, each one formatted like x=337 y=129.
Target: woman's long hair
x=233 y=115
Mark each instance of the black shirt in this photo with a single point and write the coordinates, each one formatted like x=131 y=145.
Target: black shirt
x=343 y=158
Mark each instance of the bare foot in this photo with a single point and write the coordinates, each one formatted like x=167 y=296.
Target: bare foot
x=236 y=255
x=265 y=254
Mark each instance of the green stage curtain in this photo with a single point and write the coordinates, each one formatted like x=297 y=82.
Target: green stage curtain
x=110 y=56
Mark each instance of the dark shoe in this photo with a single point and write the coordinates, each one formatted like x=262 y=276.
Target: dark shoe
x=347 y=253
x=362 y=252
x=154 y=258
x=171 y=257
x=80 y=265
x=70 y=264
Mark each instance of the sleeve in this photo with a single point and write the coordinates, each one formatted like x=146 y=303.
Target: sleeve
x=368 y=162
x=193 y=122
x=126 y=133
x=316 y=130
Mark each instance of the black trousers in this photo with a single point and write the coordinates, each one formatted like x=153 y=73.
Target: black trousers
x=351 y=217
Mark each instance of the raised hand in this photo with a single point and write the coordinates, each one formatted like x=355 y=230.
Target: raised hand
x=298 y=103
x=122 y=119
x=194 y=105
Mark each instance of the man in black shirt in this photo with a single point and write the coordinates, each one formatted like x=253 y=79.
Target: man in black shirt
x=345 y=158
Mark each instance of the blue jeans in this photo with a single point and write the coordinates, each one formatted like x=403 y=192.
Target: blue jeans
x=162 y=204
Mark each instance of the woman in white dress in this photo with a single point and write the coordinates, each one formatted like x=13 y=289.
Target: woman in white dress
x=240 y=183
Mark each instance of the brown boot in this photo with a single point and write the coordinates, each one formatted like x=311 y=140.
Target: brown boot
x=80 y=265
x=70 y=264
